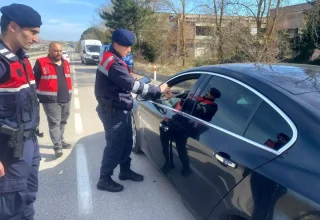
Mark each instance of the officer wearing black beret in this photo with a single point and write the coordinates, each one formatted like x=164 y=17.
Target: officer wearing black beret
x=19 y=115
x=113 y=89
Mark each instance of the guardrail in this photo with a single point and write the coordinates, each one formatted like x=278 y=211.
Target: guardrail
x=35 y=54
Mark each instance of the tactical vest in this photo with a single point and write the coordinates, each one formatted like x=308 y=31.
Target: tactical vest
x=111 y=58
x=48 y=85
x=106 y=89
x=18 y=100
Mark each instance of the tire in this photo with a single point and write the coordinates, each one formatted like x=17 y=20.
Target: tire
x=135 y=147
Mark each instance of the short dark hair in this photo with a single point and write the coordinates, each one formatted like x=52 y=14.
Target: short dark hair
x=5 y=21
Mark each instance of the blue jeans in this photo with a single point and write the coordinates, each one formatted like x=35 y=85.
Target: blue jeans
x=118 y=134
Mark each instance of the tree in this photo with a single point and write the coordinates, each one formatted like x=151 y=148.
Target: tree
x=155 y=37
x=313 y=24
x=218 y=11
x=180 y=8
x=129 y=14
x=266 y=13
x=309 y=39
x=95 y=34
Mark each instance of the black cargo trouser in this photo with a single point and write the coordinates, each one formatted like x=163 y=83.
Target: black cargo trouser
x=19 y=186
x=118 y=134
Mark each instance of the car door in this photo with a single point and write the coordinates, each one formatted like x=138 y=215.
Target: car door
x=214 y=148
x=153 y=116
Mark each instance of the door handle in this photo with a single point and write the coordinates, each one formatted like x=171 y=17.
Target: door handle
x=225 y=161
x=164 y=127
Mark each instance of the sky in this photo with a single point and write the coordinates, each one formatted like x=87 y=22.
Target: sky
x=67 y=19
x=63 y=19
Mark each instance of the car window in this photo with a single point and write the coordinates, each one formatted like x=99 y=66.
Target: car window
x=226 y=104
x=93 y=48
x=269 y=128
x=181 y=87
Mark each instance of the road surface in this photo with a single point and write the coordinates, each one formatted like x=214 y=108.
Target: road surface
x=67 y=185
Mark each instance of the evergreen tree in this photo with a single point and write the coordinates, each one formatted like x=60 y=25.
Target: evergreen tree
x=95 y=34
x=309 y=39
x=129 y=14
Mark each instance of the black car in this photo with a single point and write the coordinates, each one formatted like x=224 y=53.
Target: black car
x=238 y=141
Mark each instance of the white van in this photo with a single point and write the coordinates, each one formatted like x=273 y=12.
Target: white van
x=90 y=51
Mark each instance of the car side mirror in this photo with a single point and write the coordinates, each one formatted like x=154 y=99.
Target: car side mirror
x=145 y=80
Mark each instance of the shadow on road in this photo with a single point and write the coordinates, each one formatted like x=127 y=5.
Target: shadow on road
x=59 y=185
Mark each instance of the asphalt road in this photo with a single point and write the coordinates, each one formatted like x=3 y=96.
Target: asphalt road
x=67 y=185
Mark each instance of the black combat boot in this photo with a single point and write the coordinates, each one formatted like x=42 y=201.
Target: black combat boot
x=107 y=184
x=127 y=174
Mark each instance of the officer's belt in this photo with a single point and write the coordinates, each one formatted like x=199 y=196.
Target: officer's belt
x=29 y=134
x=106 y=102
x=26 y=134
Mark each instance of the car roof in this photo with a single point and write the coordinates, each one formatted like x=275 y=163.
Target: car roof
x=294 y=78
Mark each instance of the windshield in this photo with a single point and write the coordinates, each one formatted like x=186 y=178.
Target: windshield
x=93 y=48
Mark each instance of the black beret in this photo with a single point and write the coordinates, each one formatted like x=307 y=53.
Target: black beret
x=123 y=37
x=23 y=15
x=215 y=92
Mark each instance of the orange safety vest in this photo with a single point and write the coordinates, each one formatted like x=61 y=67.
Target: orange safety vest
x=48 y=84
x=107 y=60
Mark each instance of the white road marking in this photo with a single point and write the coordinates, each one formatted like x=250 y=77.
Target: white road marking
x=76 y=92
x=73 y=71
x=85 y=206
x=76 y=103
x=75 y=84
x=78 y=123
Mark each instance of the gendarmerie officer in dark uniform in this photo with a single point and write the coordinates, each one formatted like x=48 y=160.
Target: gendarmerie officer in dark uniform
x=19 y=113
x=113 y=88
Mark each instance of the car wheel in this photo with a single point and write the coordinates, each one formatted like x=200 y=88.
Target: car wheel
x=135 y=147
